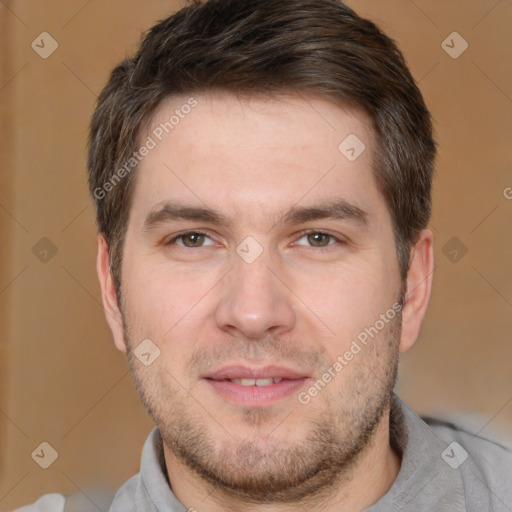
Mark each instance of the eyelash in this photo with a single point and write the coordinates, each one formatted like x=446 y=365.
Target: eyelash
x=302 y=234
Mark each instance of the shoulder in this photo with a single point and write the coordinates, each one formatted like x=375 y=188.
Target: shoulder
x=127 y=499
x=483 y=464
x=47 y=503
x=90 y=501
x=481 y=450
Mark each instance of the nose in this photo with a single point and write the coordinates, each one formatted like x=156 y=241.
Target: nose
x=254 y=301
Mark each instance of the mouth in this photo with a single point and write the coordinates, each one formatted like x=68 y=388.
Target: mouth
x=257 y=382
x=250 y=386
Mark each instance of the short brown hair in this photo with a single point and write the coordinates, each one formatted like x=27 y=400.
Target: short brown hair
x=266 y=46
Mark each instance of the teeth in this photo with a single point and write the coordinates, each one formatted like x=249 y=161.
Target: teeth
x=256 y=382
x=264 y=382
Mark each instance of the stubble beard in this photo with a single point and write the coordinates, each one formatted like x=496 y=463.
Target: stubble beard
x=261 y=468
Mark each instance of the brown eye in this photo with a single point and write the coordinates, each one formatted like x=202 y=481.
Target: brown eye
x=319 y=239
x=192 y=239
x=314 y=239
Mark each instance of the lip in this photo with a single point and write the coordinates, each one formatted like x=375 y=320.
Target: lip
x=255 y=396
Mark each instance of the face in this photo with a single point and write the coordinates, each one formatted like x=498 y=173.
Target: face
x=260 y=263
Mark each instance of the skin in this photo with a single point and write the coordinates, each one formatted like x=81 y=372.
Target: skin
x=299 y=304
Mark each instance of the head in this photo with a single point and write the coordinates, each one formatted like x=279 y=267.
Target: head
x=291 y=144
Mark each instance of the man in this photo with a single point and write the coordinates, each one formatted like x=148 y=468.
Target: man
x=262 y=176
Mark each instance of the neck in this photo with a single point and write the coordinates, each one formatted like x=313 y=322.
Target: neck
x=364 y=483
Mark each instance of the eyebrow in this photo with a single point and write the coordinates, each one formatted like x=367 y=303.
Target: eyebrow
x=338 y=209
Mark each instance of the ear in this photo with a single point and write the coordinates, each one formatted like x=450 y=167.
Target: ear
x=108 y=294
x=419 y=286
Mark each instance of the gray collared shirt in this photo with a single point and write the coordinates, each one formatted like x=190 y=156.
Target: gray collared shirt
x=444 y=469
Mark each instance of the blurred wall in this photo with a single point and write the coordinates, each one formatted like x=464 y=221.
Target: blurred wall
x=63 y=383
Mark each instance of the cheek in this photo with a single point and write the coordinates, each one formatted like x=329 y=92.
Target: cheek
x=346 y=299
x=158 y=304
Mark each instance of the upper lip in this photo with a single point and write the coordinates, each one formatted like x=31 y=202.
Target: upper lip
x=237 y=371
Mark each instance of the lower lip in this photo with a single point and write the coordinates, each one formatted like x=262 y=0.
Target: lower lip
x=256 y=396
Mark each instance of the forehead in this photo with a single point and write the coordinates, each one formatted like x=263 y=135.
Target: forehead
x=242 y=155
x=281 y=121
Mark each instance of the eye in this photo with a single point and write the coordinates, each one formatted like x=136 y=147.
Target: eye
x=190 y=239
x=317 y=239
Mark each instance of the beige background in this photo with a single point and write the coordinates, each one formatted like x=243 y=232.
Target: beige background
x=61 y=379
